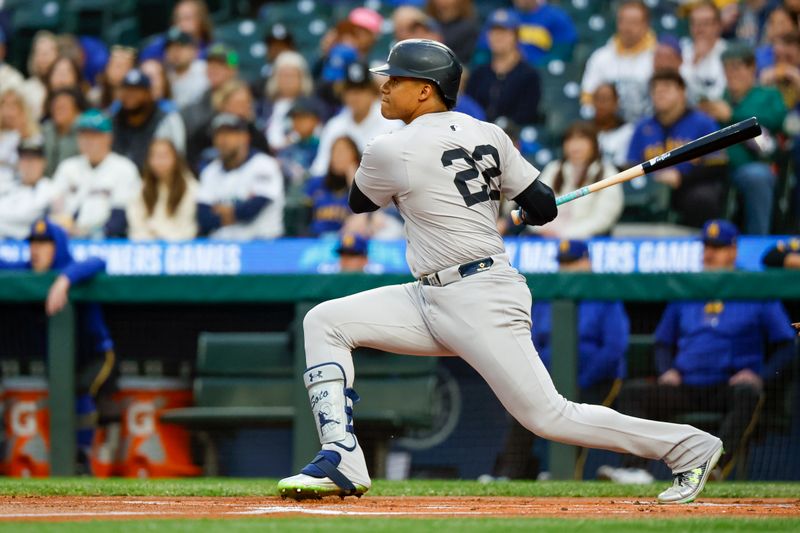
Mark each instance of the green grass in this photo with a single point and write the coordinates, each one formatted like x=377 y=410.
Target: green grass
x=266 y=487
x=416 y=525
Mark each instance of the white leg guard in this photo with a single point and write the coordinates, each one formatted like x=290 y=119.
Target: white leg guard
x=326 y=392
x=339 y=468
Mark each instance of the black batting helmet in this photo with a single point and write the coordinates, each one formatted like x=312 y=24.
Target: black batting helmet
x=427 y=60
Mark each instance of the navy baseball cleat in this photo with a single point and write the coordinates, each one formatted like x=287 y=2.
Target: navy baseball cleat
x=686 y=486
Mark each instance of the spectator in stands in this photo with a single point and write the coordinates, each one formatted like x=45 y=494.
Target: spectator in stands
x=140 y=120
x=547 y=32
x=16 y=124
x=353 y=252
x=361 y=30
x=785 y=254
x=780 y=22
x=744 y=98
x=290 y=79
x=278 y=40
x=626 y=61
x=360 y=119
x=95 y=358
x=9 y=76
x=241 y=194
x=160 y=87
x=44 y=52
x=697 y=187
x=603 y=330
x=185 y=69
x=351 y=40
x=784 y=74
x=94 y=188
x=702 y=56
x=30 y=195
x=234 y=97
x=752 y=19
x=327 y=194
x=507 y=86
x=668 y=54
x=582 y=165
x=166 y=208
x=60 y=136
x=406 y=20
x=222 y=66
x=711 y=356
x=106 y=91
x=613 y=133
x=296 y=157
x=458 y=24
x=189 y=16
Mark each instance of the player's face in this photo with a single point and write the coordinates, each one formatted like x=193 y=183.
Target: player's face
x=399 y=97
x=42 y=255
x=719 y=257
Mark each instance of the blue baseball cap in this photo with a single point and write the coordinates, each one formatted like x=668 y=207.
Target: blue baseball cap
x=136 y=78
x=94 y=120
x=719 y=232
x=339 y=58
x=352 y=244
x=570 y=250
x=41 y=230
x=504 y=18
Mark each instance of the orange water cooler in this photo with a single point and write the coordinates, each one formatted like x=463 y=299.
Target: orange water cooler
x=147 y=447
x=26 y=417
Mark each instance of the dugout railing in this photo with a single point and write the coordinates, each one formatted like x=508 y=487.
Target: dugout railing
x=564 y=290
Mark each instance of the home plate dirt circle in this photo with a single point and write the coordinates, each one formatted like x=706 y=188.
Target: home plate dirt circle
x=59 y=508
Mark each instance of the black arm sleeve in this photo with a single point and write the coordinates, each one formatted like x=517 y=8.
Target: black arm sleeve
x=358 y=201
x=538 y=204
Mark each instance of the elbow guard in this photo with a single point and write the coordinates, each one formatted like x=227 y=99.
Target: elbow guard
x=538 y=203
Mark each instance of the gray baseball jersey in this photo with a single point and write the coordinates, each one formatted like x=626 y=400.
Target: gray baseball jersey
x=445 y=172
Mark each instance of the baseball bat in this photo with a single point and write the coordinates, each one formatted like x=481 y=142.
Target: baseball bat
x=728 y=136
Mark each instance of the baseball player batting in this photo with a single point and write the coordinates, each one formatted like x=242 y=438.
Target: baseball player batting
x=445 y=172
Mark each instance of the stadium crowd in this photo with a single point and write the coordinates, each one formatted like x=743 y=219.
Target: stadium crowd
x=175 y=139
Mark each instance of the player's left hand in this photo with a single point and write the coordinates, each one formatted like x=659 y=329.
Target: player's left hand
x=58 y=296
x=746 y=376
x=796 y=326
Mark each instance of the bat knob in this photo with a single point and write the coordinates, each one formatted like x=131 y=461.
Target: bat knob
x=516 y=216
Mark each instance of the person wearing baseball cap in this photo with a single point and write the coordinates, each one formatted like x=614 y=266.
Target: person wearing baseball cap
x=94 y=188
x=507 y=86
x=140 y=120
x=785 y=254
x=719 y=245
x=187 y=72
x=28 y=197
x=711 y=355
x=306 y=116
x=362 y=27
x=96 y=366
x=603 y=330
x=241 y=195
x=360 y=119
x=352 y=252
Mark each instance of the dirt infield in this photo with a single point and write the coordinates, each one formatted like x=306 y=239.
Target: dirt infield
x=60 y=508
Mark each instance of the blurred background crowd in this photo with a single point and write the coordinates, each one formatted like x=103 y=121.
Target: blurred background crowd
x=245 y=120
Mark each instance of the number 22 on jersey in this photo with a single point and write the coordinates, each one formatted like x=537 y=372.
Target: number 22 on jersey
x=488 y=190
